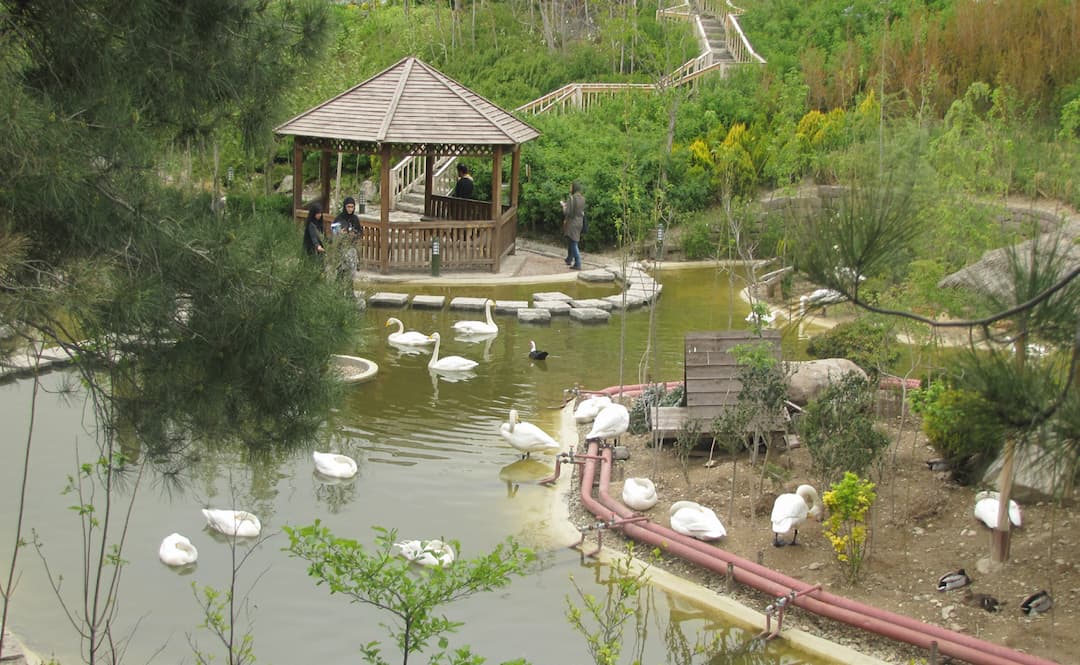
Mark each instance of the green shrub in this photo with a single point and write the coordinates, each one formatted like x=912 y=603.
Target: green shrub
x=244 y=203
x=654 y=395
x=698 y=239
x=864 y=341
x=838 y=429
x=958 y=426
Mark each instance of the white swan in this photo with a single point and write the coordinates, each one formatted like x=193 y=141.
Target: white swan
x=695 y=520
x=527 y=438
x=425 y=552
x=449 y=363
x=487 y=327
x=403 y=338
x=765 y=319
x=587 y=408
x=612 y=421
x=334 y=465
x=233 y=522
x=639 y=493
x=986 y=509
x=177 y=550
x=790 y=510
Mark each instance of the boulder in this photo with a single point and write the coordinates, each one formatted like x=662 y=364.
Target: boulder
x=1035 y=475
x=809 y=378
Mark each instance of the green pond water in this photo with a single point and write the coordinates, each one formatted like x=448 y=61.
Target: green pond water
x=432 y=465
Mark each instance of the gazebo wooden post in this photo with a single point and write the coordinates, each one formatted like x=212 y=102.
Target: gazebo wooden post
x=385 y=157
x=324 y=193
x=297 y=174
x=429 y=181
x=515 y=188
x=496 y=204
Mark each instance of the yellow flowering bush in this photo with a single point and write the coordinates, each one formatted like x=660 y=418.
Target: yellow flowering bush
x=848 y=502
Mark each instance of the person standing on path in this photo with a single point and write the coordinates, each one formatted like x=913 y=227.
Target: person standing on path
x=573 y=220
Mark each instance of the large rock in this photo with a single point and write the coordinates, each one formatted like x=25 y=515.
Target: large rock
x=809 y=378
x=1036 y=475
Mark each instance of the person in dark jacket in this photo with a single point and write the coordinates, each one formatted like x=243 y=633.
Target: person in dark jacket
x=464 y=187
x=573 y=221
x=313 y=243
x=347 y=220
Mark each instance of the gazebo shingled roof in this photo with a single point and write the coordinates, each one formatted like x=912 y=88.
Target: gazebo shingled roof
x=413 y=106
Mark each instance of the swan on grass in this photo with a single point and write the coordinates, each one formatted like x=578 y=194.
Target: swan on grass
x=176 y=550
x=233 y=522
x=639 y=493
x=695 y=520
x=527 y=438
x=986 y=509
x=406 y=338
x=334 y=465
x=449 y=363
x=791 y=509
x=610 y=423
x=428 y=553
x=486 y=327
x=588 y=408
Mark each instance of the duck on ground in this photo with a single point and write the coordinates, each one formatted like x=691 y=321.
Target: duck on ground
x=176 y=550
x=986 y=509
x=639 y=493
x=1037 y=603
x=954 y=580
x=233 y=522
x=791 y=509
x=449 y=363
x=695 y=520
x=536 y=354
x=610 y=423
x=487 y=327
x=334 y=465
x=406 y=338
x=983 y=600
x=429 y=553
x=586 y=410
x=527 y=438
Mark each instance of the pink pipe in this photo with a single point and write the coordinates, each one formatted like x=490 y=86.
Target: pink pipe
x=866 y=617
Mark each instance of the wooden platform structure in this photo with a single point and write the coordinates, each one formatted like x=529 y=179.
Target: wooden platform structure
x=711 y=376
x=413 y=109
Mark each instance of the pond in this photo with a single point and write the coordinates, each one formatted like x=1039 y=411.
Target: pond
x=431 y=465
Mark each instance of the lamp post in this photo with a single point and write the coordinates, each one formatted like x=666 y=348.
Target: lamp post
x=435 y=256
x=659 y=242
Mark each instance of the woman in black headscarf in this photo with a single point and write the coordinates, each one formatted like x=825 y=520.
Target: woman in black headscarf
x=312 y=236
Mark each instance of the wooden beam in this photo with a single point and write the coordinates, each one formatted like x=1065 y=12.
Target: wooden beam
x=496 y=206
x=515 y=176
x=324 y=193
x=298 y=174
x=385 y=157
x=429 y=182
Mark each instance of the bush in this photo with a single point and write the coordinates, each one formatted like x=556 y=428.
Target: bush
x=698 y=240
x=654 y=395
x=864 y=341
x=244 y=203
x=838 y=429
x=959 y=427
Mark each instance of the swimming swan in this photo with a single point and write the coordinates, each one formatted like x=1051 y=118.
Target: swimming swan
x=233 y=522
x=425 y=552
x=790 y=510
x=639 y=493
x=695 y=520
x=402 y=338
x=334 y=465
x=177 y=550
x=986 y=509
x=588 y=408
x=612 y=421
x=449 y=363
x=478 y=327
x=527 y=438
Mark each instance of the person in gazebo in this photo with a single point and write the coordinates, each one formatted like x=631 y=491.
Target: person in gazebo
x=312 y=237
x=464 y=187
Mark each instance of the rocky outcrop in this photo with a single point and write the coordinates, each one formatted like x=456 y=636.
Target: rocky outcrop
x=807 y=379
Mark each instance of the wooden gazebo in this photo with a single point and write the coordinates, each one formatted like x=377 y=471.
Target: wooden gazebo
x=413 y=111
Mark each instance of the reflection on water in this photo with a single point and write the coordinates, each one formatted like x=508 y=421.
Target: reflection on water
x=431 y=462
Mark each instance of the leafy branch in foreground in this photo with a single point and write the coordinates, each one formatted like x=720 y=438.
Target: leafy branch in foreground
x=376 y=576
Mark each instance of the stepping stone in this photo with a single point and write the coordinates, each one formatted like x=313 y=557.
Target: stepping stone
x=589 y=315
x=534 y=316
x=388 y=299
x=428 y=302
x=551 y=296
x=648 y=295
x=597 y=276
x=596 y=303
x=468 y=303
x=617 y=301
x=553 y=306
x=510 y=306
